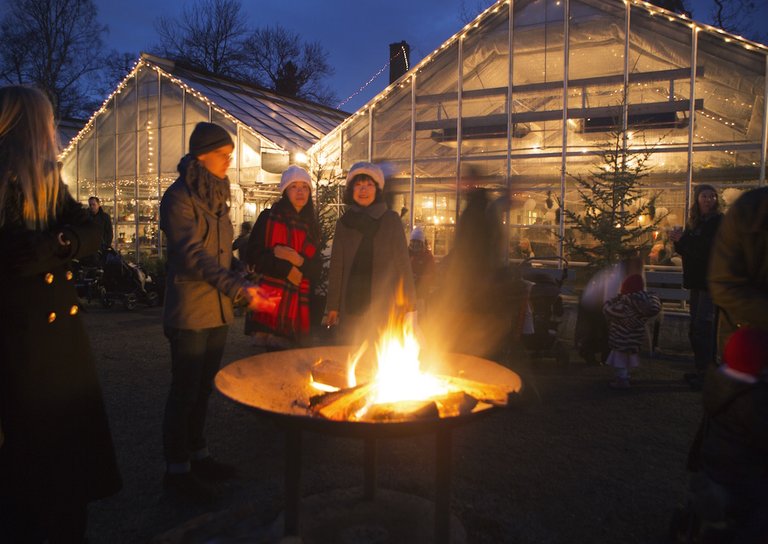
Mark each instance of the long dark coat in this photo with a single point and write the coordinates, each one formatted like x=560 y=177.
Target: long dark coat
x=57 y=441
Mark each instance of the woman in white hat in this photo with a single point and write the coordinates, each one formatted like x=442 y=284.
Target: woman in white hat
x=282 y=249
x=369 y=258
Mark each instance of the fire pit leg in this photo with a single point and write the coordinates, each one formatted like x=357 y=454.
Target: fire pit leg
x=443 y=458
x=292 y=479
x=369 y=467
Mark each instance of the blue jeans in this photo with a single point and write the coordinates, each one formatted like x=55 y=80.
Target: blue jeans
x=195 y=359
x=701 y=331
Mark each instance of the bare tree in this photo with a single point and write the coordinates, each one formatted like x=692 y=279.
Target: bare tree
x=279 y=60
x=54 y=45
x=208 y=35
x=735 y=16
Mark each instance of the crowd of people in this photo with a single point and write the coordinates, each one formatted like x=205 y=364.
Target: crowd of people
x=56 y=451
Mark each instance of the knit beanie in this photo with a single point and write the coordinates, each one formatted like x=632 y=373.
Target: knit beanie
x=747 y=351
x=207 y=137
x=632 y=284
x=368 y=169
x=418 y=234
x=294 y=174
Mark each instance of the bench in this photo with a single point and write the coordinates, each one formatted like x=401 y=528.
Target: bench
x=668 y=285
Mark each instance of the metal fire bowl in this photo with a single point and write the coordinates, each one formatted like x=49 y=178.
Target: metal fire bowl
x=278 y=384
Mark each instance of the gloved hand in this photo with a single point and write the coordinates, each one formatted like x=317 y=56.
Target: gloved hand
x=288 y=254
x=260 y=300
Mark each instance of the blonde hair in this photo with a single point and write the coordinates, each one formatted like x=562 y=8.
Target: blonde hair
x=28 y=156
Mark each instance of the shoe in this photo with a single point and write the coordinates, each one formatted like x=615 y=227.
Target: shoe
x=211 y=469
x=190 y=486
x=620 y=383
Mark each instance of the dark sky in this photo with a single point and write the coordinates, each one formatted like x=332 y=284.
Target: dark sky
x=355 y=33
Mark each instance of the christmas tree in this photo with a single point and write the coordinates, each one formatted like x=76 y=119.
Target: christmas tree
x=616 y=218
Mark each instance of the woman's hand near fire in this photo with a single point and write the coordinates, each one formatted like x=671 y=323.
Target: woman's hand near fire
x=332 y=318
x=259 y=300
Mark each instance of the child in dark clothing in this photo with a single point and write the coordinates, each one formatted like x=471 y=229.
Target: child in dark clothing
x=627 y=314
x=729 y=457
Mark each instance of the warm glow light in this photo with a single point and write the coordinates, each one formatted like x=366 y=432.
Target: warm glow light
x=300 y=158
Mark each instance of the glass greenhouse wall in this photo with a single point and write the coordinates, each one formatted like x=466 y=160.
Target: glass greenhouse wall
x=526 y=96
x=128 y=153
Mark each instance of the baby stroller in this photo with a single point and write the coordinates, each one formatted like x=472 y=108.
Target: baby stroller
x=546 y=305
x=126 y=282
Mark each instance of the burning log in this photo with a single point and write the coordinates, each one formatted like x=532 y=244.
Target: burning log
x=455 y=404
x=329 y=373
x=409 y=410
x=485 y=392
x=341 y=405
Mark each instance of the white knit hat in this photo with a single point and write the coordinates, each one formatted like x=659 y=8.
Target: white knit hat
x=294 y=174
x=418 y=234
x=369 y=169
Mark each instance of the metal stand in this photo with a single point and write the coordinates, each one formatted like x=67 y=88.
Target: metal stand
x=443 y=474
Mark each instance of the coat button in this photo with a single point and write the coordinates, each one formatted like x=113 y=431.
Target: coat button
x=49 y=278
x=69 y=275
x=51 y=317
x=73 y=310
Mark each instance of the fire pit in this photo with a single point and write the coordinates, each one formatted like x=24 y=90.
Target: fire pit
x=282 y=385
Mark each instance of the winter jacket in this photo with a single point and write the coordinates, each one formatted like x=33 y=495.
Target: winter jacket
x=694 y=247
x=627 y=315
x=738 y=270
x=282 y=225
x=390 y=264
x=57 y=439
x=734 y=440
x=194 y=216
x=102 y=219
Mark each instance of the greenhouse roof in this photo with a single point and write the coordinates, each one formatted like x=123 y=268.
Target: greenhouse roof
x=291 y=124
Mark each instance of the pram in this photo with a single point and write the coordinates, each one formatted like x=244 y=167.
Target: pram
x=546 y=304
x=126 y=282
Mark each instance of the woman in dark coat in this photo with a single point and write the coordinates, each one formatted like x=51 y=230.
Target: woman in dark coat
x=282 y=250
x=694 y=245
x=57 y=453
x=369 y=259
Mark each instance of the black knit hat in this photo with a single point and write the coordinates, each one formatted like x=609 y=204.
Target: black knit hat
x=207 y=137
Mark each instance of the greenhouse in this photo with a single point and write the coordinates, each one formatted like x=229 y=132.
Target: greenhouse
x=525 y=97
x=128 y=151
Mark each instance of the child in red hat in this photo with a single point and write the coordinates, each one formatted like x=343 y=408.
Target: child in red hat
x=627 y=314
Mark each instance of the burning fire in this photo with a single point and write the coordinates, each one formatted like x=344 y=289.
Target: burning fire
x=398 y=376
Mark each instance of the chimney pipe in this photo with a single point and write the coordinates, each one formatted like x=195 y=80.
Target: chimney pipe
x=399 y=60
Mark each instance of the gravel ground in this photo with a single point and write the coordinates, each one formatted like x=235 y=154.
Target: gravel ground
x=578 y=463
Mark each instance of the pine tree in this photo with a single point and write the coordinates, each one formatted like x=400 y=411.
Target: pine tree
x=617 y=219
x=328 y=208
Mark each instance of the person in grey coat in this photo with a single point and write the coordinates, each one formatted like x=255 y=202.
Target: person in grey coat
x=369 y=259
x=200 y=290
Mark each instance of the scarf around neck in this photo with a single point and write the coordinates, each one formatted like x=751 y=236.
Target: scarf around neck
x=211 y=192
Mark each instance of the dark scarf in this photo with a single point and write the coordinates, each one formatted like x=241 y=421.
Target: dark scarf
x=366 y=222
x=210 y=192
x=286 y=227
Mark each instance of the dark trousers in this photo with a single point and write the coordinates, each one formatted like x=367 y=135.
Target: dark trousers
x=195 y=359
x=701 y=330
